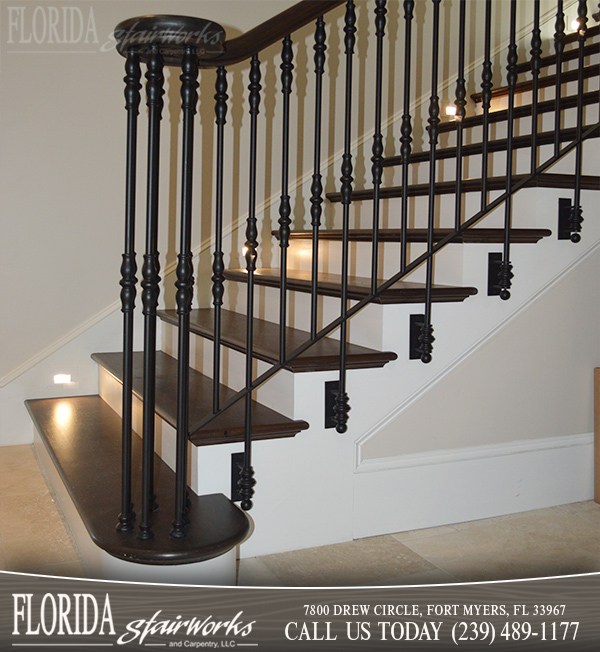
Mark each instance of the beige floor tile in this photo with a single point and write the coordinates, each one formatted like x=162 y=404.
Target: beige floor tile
x=425 y=532
x=252 y=572
x=20 y=474
x=531 y=544
x=436 y=576
x=346 y=564
x=577 y=508
x=32 y=533
x=64 y=569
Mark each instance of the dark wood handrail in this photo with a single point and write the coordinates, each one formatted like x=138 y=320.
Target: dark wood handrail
x=271 y=31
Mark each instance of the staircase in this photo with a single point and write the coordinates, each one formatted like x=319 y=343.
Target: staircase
x=211 y=385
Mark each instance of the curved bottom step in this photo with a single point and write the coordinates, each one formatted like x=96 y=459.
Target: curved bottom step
x=82 y=435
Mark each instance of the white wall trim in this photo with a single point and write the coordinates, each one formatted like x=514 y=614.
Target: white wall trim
x=395 y=413
x=467 y=453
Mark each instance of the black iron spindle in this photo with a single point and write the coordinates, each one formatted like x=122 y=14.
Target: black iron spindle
x=150 y=283
x=461 y=103
x=406 y=128
x=486 y=99
x=426 y=338
x=316 y=189
x=341 y=406
x=185 y=284
x=128 y=282
x=377 y=158
x=536 y=55
x=559 y=46
x=505 y=272
x=218 y=267
x=246 y=482
x=287 y=67
x=576 y=217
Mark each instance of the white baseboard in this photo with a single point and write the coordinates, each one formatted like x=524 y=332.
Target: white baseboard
x=444 y=487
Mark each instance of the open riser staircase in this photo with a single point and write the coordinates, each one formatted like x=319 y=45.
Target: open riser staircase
x=391 y=232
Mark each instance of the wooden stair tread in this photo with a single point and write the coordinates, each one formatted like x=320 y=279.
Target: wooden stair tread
x=474 y=235
x=568 y=55
x=543 y=82
x=588 y=182
x=547 y=106
x=227 y=427
x=323 y=355
x=83 y=437
x=501 y=145
x=358 y=287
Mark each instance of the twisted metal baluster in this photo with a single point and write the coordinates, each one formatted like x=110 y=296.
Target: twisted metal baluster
x=185 y=285
x=218 y=267
x=150 y=281
x=316 y=189
x=341 y=406
x=576 y=217
x=505 y=272
x=246 y=482
x=426 y=338
x=128 y=282
x=559 y=46
x=285 y=209
x=377 y=158
x=486 y=99
x=460 y=102
x=406 y=128
x=536 y=54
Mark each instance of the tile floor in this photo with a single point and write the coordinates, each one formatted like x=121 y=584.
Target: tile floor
x=554 y=541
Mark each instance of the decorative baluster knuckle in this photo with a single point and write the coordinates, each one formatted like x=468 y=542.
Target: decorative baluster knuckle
x=426 y=340
x=320 y=46
x=559 y=34
x=150 y=283
x=316 y=200
x=346 y=178
x=254 y=87
x=575 y=222
x=536 y=50
x=287 y=56
x=184 y=283
x=246 y=484
x=218 y=278
x=380 y=20
x=133 y=75
x=350 y=28
x=434 y=119
x=221 y=96
x=155 y=80
x=128 y=282
x=189 y=81
x=377 y=158
x=406 y=137
x=511 y=68
x=582 y=19
x=505 y=276
x=341 y=408
x=461 y=98
x=409 y=6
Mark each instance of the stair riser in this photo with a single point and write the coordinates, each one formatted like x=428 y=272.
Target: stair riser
x=278 y=395
x=111 y=391
x=364 y=329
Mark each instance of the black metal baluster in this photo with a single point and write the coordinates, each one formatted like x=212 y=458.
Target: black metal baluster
x=461 y=103
x=576 y=217
x=536 y=54
x=342 y=406
x=486 y=98
x=150 y=281
x=559 y=46
x=406 y=128
x=316 y=189
x=218 y=267
x=285 y=209
x=128 y=282
x=377 y=158
x=246 y=482
x=505 y=272
x=185 y=284
x=426 y=338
